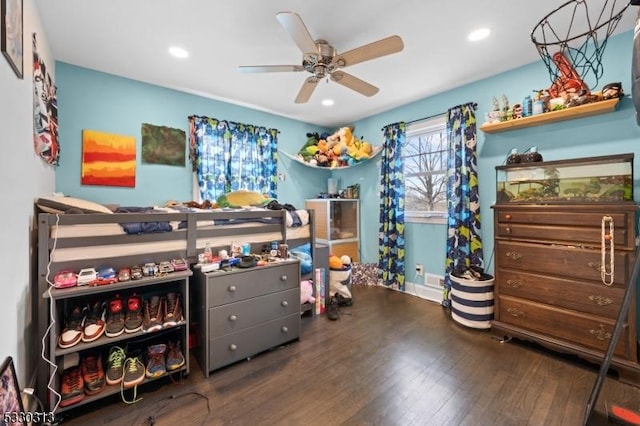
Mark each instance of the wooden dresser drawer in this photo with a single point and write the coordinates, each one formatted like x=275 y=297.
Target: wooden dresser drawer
x=247 y=313
x=251 y=283
x=586 y=330
x=583 y=296
x=564 y=261
x=250 y=341
x=574 y=227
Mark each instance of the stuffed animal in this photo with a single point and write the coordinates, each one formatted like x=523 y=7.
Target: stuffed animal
x=306 y=292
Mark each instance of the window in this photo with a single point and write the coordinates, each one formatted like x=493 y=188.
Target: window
x=425 y=171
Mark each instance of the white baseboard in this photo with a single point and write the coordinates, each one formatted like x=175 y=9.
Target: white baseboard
x=427 y=292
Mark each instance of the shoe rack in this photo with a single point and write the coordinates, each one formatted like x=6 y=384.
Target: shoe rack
x=62 y=302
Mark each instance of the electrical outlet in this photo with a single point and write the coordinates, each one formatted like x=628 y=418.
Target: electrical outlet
x=419 y=270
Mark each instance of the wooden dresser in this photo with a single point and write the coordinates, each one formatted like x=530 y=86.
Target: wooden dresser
x=245 y=311
x=548 y=286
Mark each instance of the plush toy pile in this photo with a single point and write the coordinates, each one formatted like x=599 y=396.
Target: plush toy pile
x=337 y=150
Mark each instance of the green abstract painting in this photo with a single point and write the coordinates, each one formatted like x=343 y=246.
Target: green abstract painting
x=163 y=145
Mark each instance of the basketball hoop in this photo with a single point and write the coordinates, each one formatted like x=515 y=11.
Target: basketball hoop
x=571 y=41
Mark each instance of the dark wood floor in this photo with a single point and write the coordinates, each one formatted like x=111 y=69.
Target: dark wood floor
x=391 y=359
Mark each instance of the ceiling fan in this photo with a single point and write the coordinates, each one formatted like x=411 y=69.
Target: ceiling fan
x=322 y=61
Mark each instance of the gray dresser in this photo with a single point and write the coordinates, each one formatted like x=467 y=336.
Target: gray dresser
x=245 y=311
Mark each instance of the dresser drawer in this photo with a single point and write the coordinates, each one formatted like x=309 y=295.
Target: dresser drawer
x=233 y=287
x=240 y=315
x=582 y=329
x=583 y=296
x=573 y=226
x=251 y=341
x=563 y=261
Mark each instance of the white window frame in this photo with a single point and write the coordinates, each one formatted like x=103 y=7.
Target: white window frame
x=420 y=128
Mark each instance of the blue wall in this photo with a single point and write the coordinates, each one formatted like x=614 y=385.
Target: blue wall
x=611 y=133
x=92 y=100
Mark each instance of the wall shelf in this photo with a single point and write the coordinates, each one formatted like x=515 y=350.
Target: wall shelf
x=586 y=110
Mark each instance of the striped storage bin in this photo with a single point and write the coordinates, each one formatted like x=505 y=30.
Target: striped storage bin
x=472 y=302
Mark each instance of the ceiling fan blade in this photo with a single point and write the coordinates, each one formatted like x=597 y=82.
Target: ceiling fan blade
x=386 y=46
x=270 y=68
x=307 y=89
x=293 y=24
x=354 y=83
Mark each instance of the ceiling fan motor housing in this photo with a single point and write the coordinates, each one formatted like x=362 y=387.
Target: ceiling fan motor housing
x=319 y=63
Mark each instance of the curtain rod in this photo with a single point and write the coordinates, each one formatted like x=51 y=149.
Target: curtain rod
x=475 y=105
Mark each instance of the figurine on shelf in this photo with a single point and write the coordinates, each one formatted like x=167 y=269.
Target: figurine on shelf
x=517 y=111
x=612 y=90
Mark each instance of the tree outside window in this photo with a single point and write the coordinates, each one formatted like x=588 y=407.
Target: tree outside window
x=425 y=171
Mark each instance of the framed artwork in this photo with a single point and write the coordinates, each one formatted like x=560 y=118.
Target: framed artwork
x=11 y=407
x=163 y=145
x=108 y=159
x=11 y=38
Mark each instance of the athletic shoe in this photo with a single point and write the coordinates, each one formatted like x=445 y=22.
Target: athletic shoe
x=153 y=313
x=133 y=319
x=115 y=366
x=343 y=301
x=173 y=314
x=115 y=317
x=95 y=323
x=133 y=372
x=175 y=358
x=74 y=326
x=155 y=360
x=92 y=374
x=71 y=388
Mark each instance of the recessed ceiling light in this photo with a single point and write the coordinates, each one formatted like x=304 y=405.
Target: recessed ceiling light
x=327 y=102
x=479 y=34
x=178 y=52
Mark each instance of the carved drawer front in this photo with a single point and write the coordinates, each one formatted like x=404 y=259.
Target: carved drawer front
x=250 y=341
x=586 y=330
x=589 y=297
x=575 y=228
x=251 y=283
x=240 y=315
x=560 y=260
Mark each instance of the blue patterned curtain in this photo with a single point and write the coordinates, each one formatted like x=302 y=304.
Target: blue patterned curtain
x=391 y=266
x=464 y=241
x=228 y=156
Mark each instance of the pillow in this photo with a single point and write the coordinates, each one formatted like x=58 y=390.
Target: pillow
x=65 y=204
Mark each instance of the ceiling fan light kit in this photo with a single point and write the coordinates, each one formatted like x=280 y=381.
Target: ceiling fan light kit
x=320 y=59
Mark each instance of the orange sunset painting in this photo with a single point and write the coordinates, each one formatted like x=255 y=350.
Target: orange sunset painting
x=108 y=159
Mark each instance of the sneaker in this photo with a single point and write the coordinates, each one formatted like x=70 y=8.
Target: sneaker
x=332 y=309
x=71 y=388
x=95 y=323
x=343 y=301
x=155 y=360
x=74 y=326
x=175 y=359
x=115 y=363
x=173 y=314
x=133 y=372
x=115 y=317
x=153 y=313
x=133 y=319
x=92 y=374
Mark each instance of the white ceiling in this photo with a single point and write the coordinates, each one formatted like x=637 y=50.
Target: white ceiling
x=130 y=39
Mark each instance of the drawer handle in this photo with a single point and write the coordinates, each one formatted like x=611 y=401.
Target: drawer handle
x=514 y=283
x=232 y=317
x=508 y=229
x=594 y=265
x=232 y=347
x=507 y=216
x=232 y=288
x=601 y=333
x=285 y=329
x=283 y=278
x=600 y=300
x=513 y=255
x=515 y=312
x=284 y=303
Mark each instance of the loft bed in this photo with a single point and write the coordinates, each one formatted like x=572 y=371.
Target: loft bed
x=94 y=237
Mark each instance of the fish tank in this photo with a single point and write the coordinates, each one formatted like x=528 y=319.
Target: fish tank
x=606 y=179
